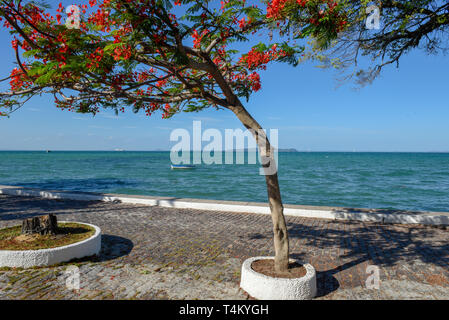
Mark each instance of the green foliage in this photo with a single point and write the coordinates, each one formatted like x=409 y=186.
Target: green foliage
x=131 y=55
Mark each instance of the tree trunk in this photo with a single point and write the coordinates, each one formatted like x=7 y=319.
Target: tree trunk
x=280 y=235
x=43 y=225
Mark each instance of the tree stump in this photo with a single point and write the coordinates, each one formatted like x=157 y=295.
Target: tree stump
x=43 y=225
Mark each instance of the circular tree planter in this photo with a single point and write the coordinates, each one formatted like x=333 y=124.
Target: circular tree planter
x=265 y=287
x=46 y=257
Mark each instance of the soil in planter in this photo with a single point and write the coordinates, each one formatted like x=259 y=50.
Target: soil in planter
x=68 y=233
x=266 y=267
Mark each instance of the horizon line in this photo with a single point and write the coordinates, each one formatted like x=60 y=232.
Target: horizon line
x=163 y=150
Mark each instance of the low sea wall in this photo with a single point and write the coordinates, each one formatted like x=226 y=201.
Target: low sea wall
x=334 y=213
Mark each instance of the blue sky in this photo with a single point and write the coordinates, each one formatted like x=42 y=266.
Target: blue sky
x=406 y=109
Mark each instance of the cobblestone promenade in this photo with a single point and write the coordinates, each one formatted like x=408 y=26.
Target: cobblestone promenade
x=161 y=253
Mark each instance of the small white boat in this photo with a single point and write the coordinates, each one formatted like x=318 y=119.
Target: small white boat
x=182 y=166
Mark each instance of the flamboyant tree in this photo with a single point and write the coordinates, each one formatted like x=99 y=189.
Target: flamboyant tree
x=154 y=55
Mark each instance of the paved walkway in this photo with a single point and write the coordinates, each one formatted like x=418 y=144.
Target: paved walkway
x=162 y=253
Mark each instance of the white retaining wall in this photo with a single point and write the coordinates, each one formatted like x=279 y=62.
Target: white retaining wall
x=334 y=213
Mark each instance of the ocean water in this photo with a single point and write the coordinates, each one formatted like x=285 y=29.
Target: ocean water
x=408 y=181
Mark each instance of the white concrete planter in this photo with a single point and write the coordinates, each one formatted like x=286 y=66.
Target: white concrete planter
x=264 y=287
x=48 y=257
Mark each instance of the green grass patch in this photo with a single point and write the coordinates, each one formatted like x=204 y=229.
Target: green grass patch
x=68 y=233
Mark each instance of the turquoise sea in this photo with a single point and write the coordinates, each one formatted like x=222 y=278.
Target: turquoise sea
x=410 y=181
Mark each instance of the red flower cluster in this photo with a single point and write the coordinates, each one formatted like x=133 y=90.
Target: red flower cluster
x=101 y=19
x=161 y=83
x=166 y=110
x=123 y=52
x=223 y=3
x=250 y=81
x=15 y=44
x=198 y=37
x=221 y=52
x=95 y=58
x=275 y=10
x=257 y=59
x=19 y=80
x=119 y=79
x=121 y=32
x=149 y=109
x=254 y=80
x=58 y=15
x=243 y=23
x=144 y=75
x=275 y=7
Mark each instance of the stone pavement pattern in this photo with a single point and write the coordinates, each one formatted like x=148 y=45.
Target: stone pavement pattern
x=162 y=253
